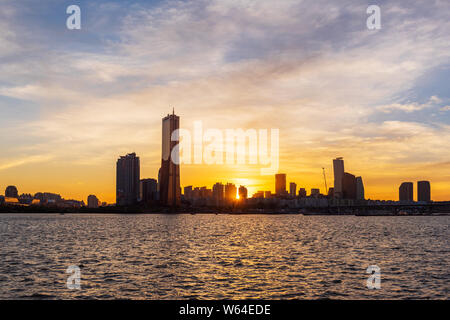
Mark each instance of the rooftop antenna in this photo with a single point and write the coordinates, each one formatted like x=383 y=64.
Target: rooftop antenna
x=325 y=179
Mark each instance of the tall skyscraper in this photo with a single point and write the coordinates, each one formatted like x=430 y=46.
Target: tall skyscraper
x=359 y=189
x=423 y=191
x=349 y=186
x=338 y=169
x=292 y=189
x=280 y=184
x=170 y=191
x=127 y=180
x=406 y=191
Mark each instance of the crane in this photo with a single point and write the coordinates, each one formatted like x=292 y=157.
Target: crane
x=325 y=179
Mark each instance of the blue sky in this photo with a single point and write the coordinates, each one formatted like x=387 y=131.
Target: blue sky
x=76 y=99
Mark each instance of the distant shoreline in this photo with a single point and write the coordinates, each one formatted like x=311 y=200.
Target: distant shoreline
x=440 y=214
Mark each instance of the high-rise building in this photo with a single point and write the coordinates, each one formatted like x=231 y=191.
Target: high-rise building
x=148 y=190
x=127 y=180
x=359 y=189
x=218 y=193
x=406 y=191
x=230 y=192
x=338 y=169
x=302 y=193
x=170 y=191
x=280 y=184
x=349 y=186
x=11 y=192
x=292 y=189
x=315 y=192
x=243 y=193
x=258 y=195
x=93 y=202
x=188 y=193
x=423 y=191
x=331 y=192
x=267 y=194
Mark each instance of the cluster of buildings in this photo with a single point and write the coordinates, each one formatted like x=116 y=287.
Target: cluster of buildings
x=131 y=190
x=406 y=192
x=166 y=191
x=12 y=197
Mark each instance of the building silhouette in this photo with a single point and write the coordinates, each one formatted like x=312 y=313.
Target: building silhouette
x=315 y=192
x=423 y=191
x=302 y=193
x=11 y=192
x=230 y=192
x=218 y=193
x=338 y=170
x=359 y=189
x=331 y=192
x=292 y=189
x=406 y=191
x=93 y=202
x=188 y=193
x=243 y=193
x=169 y=182
x=349 y=186
x=127 y=180
x=148 y=190
x=280 y=184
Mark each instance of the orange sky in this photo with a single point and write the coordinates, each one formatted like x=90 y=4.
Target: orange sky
x=72 y=102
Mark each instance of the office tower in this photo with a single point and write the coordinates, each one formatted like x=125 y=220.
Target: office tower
x=338 y=169
x=331 y=192
x=242 y=193
x=267 y=194
x=188 y=193
x=292 y=189
x=280 y=184
x=230 y=192
x=315 y=192
x=218 y=193
x=258 y=195
x=423 y=191
x=11 y=192
x=359 y=189
x=127 y=180
x=148 y=190
x=348 y=186
x=302 y=193
x=170 y=191
x=406 y=191
x=92 y=201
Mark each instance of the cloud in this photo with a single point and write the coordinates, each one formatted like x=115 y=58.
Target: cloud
x=310 y=68
x=411 y=107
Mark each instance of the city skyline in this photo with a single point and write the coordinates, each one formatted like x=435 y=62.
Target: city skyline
x=72 y=100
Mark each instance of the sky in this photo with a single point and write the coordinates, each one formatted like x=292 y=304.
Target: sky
x=73 y=101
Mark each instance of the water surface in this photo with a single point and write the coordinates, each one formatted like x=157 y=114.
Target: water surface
x=223 y=256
